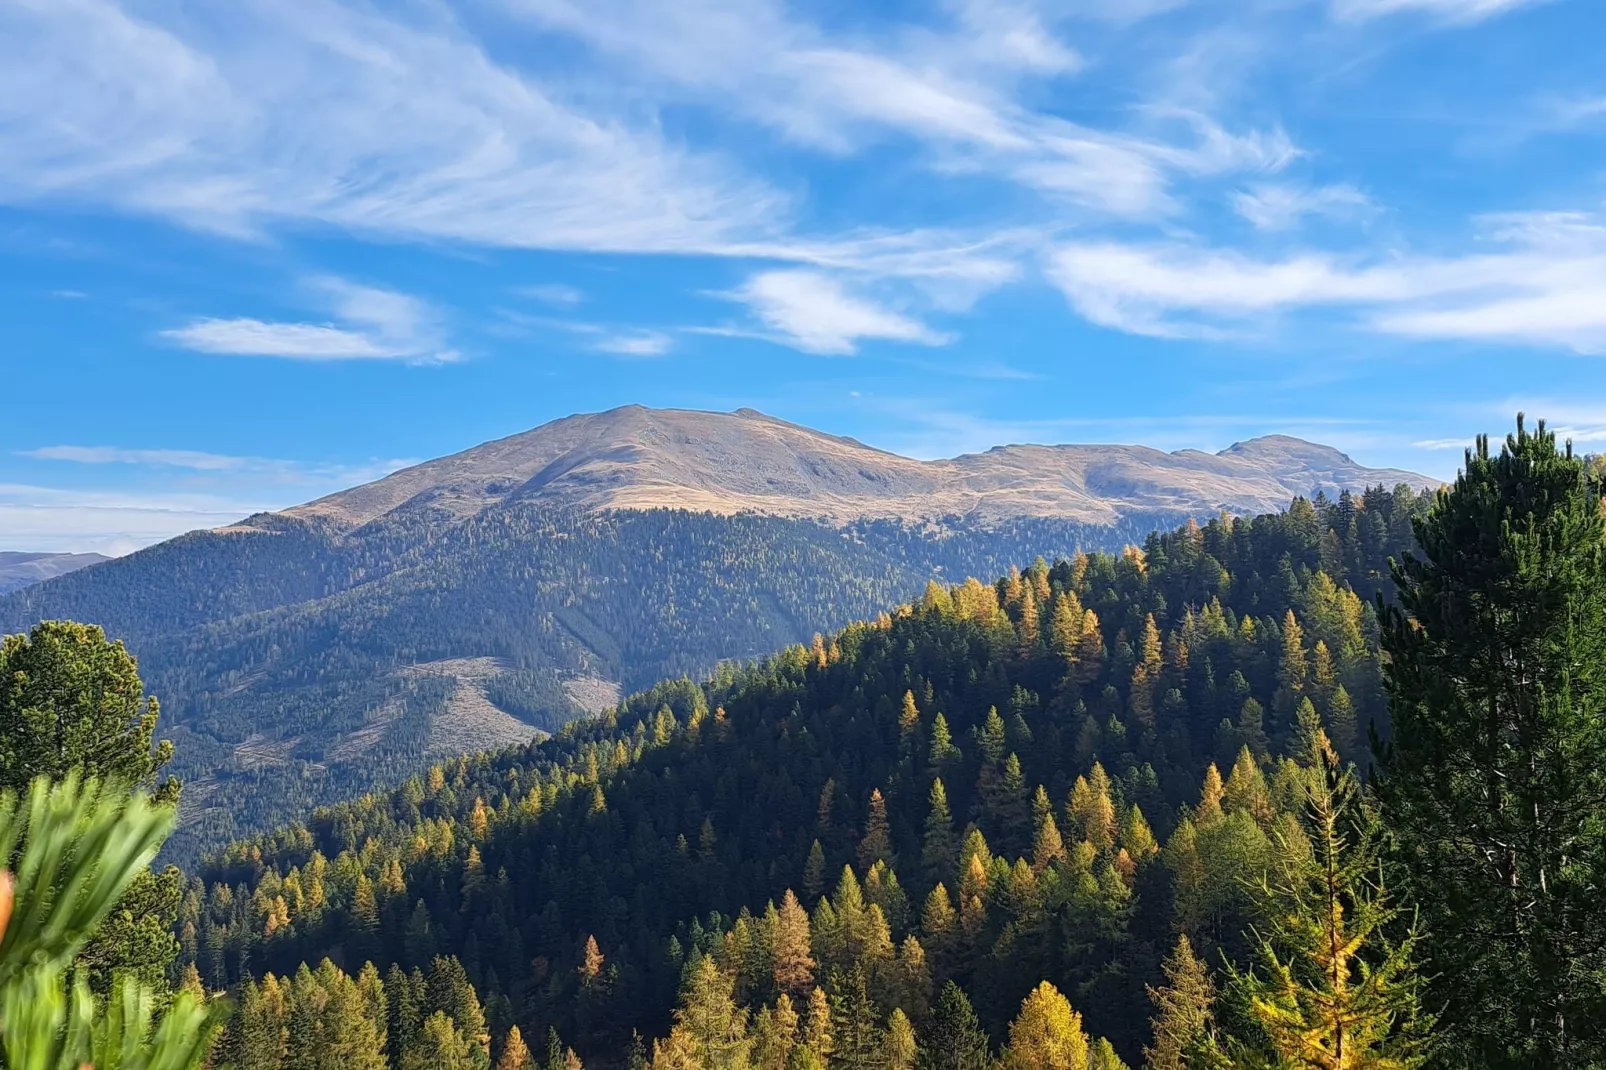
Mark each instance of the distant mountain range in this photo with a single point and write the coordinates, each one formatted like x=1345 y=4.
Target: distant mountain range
x=745 y=461
x=478 y=599
x=18 y=570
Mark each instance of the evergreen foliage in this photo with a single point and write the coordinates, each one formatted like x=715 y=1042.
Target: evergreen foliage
x=1495 y=780
x=946 y=795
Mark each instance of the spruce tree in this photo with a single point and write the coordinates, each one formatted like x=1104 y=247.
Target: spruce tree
x=1495 y=779
x=939 y=847
x=956 y=1040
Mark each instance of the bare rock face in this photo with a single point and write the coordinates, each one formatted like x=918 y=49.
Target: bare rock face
x=745 y=461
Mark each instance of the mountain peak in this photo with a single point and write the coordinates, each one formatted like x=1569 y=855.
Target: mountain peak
x=634 y=457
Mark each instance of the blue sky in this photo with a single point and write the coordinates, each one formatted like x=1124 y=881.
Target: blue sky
x=253 y=252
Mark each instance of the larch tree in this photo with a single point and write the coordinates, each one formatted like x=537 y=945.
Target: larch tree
x=1335 y=985
x=1184 y=1011
x=793 y=965
x=876 y=846
x=515 y=1053
x=1046 y=1034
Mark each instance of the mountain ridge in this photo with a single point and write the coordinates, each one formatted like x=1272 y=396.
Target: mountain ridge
x=19 y=569
x=306 y=655
x=634 y=457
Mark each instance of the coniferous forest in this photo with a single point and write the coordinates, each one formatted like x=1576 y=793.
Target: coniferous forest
x=1324 y=788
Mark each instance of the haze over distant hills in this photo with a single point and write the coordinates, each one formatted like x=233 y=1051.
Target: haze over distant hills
x=19 y=570
x=639 y=458
x=477 y=599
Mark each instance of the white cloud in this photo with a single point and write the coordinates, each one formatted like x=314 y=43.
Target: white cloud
x=52 y=519
x=1441 y=444
x=554 y=294
x=243 y=116
x=636 y=344
x=950 y=89
x=1271 y=206
x=1546 y=287
x=193 y=459
x=1455 y=10
x=277 y=470
x=378 y=325
x=812 y=311
x=294 y=341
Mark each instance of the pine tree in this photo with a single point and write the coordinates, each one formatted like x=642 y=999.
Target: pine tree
x=940 y=926
x=956 y=1040
x=72 y=700
x=908 y=724
x=75 y=848
x=1495 y=782
x=1336 y=988
x=1185 y=1011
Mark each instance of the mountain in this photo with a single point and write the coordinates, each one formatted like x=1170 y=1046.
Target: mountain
x=18 y=570
x=745 y=461
x=486 y=597
x=974 y=787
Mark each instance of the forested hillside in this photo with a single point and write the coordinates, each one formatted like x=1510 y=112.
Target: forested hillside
x=476 y=600
x=1050 y=777
x=297 y=665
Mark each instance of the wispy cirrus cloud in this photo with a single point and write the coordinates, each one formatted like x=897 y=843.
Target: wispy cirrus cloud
x=553 y=293
x=274 y=470
x=638 y=343
x=815 y=312
x=197 y=460
x=1453 y=10
x=1546 y=287
x=1283 y=206
x=376 y=324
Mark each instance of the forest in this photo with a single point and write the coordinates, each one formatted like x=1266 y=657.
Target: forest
x=1324 y=789
x=280 y=646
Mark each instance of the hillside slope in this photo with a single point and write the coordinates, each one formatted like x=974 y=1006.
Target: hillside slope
x=18 y=570
x=575 y=878
x=305 y=655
